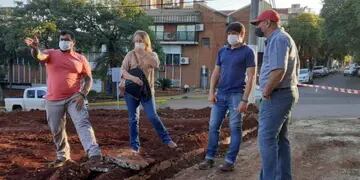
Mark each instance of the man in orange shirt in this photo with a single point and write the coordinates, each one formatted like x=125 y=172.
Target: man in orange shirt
x=65 y=70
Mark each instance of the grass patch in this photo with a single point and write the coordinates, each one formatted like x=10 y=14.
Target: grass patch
x=159 y=100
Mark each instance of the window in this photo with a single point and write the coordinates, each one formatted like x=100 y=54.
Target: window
x=205 y=42
x=160 y=28
x=152 y=28
x=158 y=31
x=181 y=28
x=30 y=94
x=41 y=94
x=190 y=27
x=176 y=59
x=185 y=32
x=191 y=32
x=172 y=59
x=171 y=3
x=169 y=59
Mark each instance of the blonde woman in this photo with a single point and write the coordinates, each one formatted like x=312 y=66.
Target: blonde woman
x=142 y=57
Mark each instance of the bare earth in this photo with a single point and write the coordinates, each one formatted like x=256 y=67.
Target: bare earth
x=321 y=150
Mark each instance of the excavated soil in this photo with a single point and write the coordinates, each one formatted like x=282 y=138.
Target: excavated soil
x=26 y=144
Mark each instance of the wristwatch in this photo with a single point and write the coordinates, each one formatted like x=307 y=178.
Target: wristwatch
x=245 y=101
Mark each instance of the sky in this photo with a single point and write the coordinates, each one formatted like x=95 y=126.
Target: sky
x=315 y=5
x=6 y=3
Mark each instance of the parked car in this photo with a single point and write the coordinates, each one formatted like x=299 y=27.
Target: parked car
x=319 y=71
x=352 y=71
x=347 y=71
x=333 y=70
x=355 y=70
x=33 y=99
x=327 y=71
x=306 y=76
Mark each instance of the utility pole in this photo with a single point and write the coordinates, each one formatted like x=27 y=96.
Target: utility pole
x=254 y=11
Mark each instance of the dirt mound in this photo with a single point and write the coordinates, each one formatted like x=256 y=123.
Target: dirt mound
x=26 y=144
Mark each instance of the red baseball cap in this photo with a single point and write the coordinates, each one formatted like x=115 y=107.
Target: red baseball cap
x=270 y=14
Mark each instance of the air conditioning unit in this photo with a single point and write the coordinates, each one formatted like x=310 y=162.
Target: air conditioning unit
x=170 y=36
x=184 y=60
x=199 y=27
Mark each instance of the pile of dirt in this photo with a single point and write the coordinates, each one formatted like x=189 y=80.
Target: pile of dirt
x=26 y=144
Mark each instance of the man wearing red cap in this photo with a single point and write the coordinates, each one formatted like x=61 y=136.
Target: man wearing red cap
x=278 y=83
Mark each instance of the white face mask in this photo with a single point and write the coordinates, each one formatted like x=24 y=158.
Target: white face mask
x=64 y=45
x=234 y=39
x=140 y=45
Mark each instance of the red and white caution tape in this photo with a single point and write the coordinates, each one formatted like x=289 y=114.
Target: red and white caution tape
x=343 y=90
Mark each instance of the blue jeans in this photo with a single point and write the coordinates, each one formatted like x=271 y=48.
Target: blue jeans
x=150 y=111
x=224 y=103
x=273 y=140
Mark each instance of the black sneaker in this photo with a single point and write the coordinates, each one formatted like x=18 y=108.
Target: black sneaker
x=226 y=167
x=206 y=164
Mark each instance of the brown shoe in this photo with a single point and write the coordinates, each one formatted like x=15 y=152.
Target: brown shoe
x=226 y=167
x=96 y=158
x=95 y=163
x=206 y=164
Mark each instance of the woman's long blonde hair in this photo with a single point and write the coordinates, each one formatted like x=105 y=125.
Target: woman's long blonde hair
x=145 y=36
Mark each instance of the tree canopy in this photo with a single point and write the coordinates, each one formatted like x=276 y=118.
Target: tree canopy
x=306 y=32
x=110 y=22
x=341 y=27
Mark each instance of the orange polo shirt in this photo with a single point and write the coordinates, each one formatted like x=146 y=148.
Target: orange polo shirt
x=64 y=73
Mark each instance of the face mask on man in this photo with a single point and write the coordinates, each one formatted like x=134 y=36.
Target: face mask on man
x=259 y=32
x=140 y=46
x=234 y=39
x=64 y=45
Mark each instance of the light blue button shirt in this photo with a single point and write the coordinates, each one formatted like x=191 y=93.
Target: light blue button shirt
x=280 y=53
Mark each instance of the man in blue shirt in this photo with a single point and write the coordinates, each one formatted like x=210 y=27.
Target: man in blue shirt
x=233 y=76
x=278 y=83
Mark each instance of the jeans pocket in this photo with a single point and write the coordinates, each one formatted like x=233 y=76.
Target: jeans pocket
x=219 y=97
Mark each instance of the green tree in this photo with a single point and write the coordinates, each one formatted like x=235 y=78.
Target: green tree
x=306 y=32
x=341 y=27
x=111 y=22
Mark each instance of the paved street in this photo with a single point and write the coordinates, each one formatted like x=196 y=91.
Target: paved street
x=319 y=103
x=313 y=104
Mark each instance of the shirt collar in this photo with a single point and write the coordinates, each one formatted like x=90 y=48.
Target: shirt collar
x=272 y=35
x=228 y=46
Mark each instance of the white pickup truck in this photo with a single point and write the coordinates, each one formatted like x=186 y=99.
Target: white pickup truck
x=33 y=99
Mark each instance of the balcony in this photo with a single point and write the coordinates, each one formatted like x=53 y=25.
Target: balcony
x=177 y=19
x=180 y=37
x=174 y=16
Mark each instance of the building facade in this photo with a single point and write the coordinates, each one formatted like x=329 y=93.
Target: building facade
x=190 y=35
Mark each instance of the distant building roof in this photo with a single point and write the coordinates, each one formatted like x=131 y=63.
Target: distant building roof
x=227 y=11
x=282 y=10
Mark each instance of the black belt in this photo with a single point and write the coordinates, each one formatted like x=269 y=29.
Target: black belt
x=280 y=89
